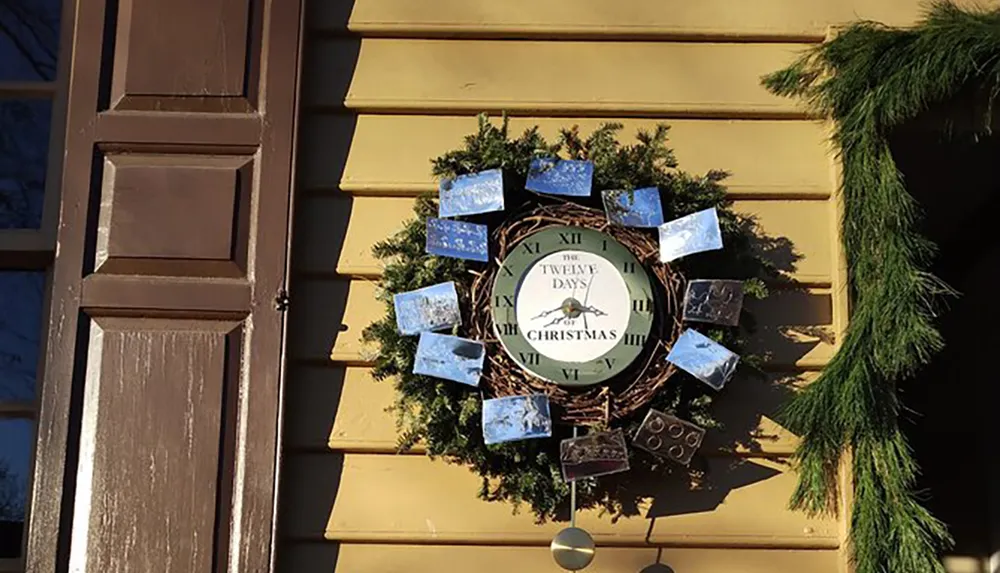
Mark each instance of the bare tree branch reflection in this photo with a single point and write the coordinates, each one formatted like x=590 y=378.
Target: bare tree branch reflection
x=29 y=31
x=11 y=495
x=32 y=28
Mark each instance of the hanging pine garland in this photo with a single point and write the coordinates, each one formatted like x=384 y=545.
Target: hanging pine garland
x=870 y=79
x=445 y=417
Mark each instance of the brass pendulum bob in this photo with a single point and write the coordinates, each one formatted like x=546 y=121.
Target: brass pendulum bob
x=572 y=548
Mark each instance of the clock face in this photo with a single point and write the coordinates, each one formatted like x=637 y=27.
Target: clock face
x=572 y=306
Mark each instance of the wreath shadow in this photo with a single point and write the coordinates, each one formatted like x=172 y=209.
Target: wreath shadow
x=654 y=488
x=735 y=449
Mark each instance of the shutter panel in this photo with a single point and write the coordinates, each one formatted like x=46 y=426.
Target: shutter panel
x=159 y=412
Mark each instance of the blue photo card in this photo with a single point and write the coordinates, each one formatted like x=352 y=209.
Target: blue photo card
x=458 y=239
x=554 y=176
x=640 y=208
x=471 y=194
x=449 y=358
x=694 y=233
x=513 y=418
x=429 y=308
x=703 y=358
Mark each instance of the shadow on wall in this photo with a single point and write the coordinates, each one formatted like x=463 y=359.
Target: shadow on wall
x=312 y=473
x=324 y=140
x=950 y=419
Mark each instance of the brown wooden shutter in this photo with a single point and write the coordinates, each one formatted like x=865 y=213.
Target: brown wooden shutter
x=159 y=411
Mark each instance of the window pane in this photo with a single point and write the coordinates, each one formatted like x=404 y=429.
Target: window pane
x=20 y=333
x=24 y=149
x=17 y=440
x=29 y=39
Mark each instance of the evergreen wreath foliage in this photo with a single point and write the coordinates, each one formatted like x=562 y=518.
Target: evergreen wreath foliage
x=870 y=79
x=445 y=417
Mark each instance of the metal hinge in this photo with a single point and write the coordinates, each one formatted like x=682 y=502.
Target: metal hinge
x=281 y=301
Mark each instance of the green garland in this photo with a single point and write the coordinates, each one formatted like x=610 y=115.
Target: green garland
x=445 y=417
x=870 y=79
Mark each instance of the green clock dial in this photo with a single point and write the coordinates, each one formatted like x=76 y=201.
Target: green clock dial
x=572 y=306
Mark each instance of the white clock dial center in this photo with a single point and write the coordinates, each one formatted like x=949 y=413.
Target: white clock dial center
x=573 y=306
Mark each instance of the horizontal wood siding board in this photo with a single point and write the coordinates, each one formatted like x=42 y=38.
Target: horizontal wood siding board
x=335 y=235
x=413 y=499
x=596 y=19
x=614 y=78
x=391 y=154
x=344 y=409
x=328 y=317
x=327 y=557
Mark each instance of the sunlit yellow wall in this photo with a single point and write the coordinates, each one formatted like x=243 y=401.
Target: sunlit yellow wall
x=389 y=84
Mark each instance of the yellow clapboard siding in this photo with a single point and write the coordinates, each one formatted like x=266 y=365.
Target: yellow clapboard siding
x=374 y=154
x=597 y=18
x=345 y=409
x=335 y=234
x=353 y=557
x=616 y=78
x=413 y=499
x=328 y=317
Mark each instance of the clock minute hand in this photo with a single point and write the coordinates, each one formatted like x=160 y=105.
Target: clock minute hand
x=592 y=310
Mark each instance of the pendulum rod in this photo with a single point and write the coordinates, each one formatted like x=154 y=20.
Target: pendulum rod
x=572 y=496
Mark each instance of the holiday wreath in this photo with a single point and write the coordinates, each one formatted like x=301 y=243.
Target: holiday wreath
x=870 y=79
x=446 y=418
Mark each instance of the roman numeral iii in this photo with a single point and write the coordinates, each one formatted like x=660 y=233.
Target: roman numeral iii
x=634 y=339
x=642 y=305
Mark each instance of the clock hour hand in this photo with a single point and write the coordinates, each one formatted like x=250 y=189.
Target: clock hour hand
x=545 y=313
x=571 y=308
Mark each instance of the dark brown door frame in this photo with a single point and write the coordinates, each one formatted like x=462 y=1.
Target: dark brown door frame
x=138 y=119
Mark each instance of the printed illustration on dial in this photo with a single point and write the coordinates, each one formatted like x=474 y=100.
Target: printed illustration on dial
x=572 y=306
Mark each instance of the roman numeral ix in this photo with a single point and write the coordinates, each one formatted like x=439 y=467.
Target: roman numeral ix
x=503 y=301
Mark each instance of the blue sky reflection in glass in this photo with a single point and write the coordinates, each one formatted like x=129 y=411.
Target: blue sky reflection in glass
x=641 y=208
x=429 y=308
x=458 y=240
x=694 y=233
x=553 y=176
x=450 y=358
x=513 y=418
x=703 y=358
x=471 y=194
